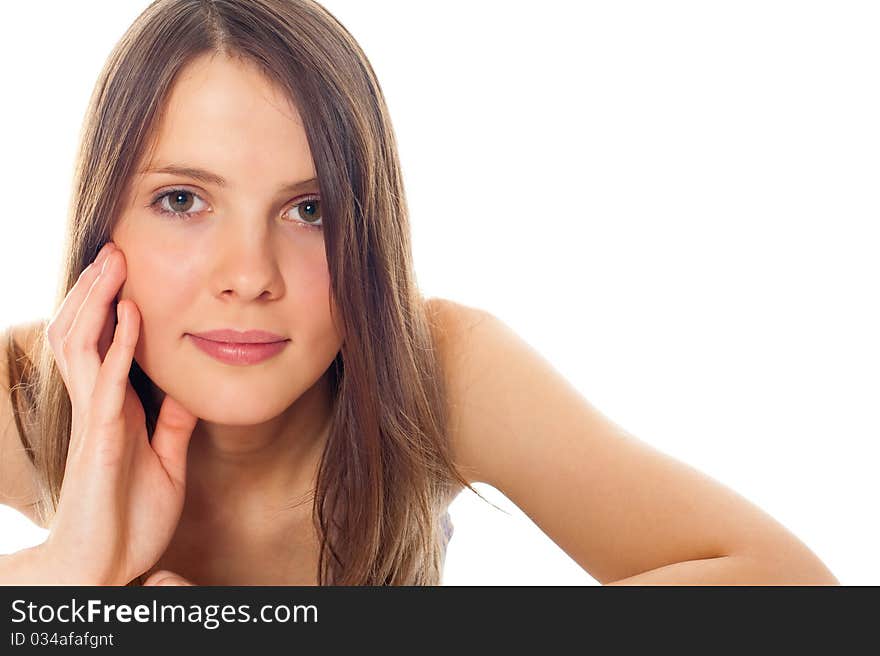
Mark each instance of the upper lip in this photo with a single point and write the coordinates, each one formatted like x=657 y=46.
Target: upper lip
x=233 y=336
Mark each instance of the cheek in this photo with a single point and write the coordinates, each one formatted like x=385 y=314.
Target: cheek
x=308 y=286
x=156 y=277
x=308 y=272
x=163 y=285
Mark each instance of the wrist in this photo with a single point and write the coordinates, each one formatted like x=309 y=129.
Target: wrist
x=55 y=569
x=29 y=566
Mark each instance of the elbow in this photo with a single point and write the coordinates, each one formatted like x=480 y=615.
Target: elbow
x=791 y=566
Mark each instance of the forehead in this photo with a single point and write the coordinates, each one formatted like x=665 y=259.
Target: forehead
x=226 y=114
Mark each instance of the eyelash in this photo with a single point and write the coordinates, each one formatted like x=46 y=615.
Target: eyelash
x=187 y=216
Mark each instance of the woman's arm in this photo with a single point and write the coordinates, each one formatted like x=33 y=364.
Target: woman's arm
x=32 y=566
x=732 y=570
x=23 y=568
x=624 y=511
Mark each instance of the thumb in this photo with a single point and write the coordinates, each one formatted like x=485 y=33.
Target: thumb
x=174 y=428
x=164 y=577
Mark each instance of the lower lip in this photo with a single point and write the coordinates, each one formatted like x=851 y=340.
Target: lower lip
x=238 y=354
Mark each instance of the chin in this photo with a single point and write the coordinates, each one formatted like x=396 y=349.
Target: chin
x=232 y=405
x=240 y=411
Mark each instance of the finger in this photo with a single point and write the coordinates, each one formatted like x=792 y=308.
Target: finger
x=107 y=331
x=59 y=325
x=80 y=345
x=112 y=380
x=171 y=438
x=164 y=577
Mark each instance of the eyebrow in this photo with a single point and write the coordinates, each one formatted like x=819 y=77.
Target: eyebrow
x=208 y=177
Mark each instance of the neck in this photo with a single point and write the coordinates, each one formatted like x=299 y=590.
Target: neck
x=254 y=471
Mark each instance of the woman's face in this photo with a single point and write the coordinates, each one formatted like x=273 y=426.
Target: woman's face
x=243 y=254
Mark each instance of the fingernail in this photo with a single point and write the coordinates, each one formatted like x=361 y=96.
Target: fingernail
x=102 y=254
x=107 y=249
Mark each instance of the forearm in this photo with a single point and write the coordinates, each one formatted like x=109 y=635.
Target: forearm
x=35 y=566
x=733 y=570
x=25 y=567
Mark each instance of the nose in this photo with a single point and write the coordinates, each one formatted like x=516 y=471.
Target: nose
x=247 y=267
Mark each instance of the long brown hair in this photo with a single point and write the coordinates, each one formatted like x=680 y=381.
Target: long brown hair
x=386 y=476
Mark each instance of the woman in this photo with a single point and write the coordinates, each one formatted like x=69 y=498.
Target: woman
x=238 y=173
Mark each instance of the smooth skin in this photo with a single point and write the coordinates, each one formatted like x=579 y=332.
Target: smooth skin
x=205 y=503
x=122 y=496
x=244 y=254
x=625 y=512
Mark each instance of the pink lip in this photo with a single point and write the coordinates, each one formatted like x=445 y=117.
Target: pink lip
x=238 y=353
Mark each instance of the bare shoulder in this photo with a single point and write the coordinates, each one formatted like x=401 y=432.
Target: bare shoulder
x=452 y=324
x=18 y=484
x=462 y=334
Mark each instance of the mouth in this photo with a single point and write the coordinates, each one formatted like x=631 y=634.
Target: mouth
x=231 y=336
x=238 y=353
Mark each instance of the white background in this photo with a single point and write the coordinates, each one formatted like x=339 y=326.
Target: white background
x=675 y=203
